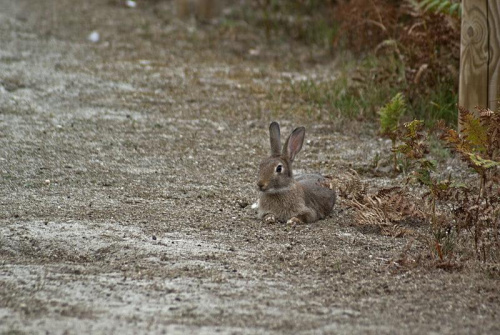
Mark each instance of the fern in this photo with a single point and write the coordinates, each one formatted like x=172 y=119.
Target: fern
x=390 y=115
x=448 y=7
x=415 y=148
x=413 y=138
x=491 y=120
x=474 y=132
x=483 y=163
x=479 y=144
x=450 y=206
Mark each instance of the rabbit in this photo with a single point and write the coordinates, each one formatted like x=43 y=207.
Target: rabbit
x=283 y=198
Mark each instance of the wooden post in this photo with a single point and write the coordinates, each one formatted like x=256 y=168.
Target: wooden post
x=473 y=90
x=494 y=55
x=480 y=54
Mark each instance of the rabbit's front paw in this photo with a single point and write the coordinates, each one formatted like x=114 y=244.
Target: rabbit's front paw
x=294 y=220
x=269 y=219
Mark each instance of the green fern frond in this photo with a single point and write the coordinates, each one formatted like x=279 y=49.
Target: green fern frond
x=424 y=177
x=391 y=113
x=483 y=163
x=491 y=121
x=478 y=144
x=414 y=145
x=473 y=130
x=428 y=164
x=414 y=127
x=449 y=7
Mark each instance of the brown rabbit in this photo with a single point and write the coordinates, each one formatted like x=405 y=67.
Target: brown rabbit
x=284 y=198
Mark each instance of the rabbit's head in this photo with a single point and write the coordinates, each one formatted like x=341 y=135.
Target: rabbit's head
x=275 y=172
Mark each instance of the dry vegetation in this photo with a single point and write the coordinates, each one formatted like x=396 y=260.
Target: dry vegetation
x=461 y=216
x=404 y=46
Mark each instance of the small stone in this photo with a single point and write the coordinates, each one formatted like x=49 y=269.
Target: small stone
x=131 y=3
x=94 y=37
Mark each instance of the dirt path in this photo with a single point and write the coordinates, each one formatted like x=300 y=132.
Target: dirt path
x=127 y=174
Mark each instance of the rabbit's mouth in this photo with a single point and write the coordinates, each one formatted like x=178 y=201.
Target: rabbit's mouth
x=275 y=190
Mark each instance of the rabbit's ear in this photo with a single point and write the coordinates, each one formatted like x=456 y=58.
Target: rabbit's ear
x=274 y=136
x=293 y=143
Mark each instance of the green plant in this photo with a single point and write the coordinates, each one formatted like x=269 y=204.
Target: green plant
x=423 y=42
x=478 y=144
x=390 y=115
x=415 y=149
x=453 y=206
x=437 y=104
x=449 y=7
x=413 y=140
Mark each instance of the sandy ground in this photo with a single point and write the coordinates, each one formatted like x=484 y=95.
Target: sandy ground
x=128 y=168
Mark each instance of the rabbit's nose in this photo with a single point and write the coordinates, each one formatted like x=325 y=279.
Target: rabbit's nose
x=262 y=185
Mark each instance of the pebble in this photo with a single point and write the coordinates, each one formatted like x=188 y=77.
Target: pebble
x=94 y=37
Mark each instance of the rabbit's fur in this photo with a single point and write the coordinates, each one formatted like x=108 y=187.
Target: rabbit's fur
x=283 y=198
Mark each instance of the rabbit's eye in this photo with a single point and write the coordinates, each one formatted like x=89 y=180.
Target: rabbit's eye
x=279 y=168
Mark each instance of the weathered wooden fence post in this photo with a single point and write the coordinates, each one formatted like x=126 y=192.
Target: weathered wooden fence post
x=480 y=54
x=494 y=56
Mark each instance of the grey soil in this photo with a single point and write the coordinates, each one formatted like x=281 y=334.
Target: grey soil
x=128 y=171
